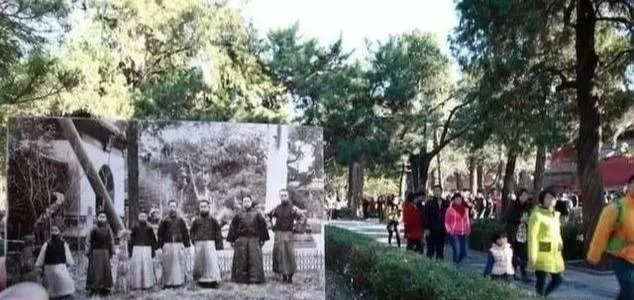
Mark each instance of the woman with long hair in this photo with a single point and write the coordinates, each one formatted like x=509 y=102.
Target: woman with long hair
x=545 y=243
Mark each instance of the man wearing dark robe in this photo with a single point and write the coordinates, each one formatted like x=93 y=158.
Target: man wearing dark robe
x=173 y=238
x=247 y=235
x=285 y=216
x=100 y=251
x=141 y=249
x=207 y=237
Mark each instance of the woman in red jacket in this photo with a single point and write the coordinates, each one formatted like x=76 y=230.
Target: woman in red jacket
x=413 y=221
x=458 y=227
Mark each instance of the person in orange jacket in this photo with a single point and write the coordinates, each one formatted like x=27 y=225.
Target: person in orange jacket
x=614 y=235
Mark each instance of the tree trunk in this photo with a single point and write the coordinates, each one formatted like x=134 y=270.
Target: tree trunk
x=414 y=162
x=509 y=176
x=540 y=168
x=425 y=162
x=458 y=177
x=71 y=134
x=402 y=183
x=355 y=184
x=133 y=174
x=473 y=185
x=439 y=165
x=589 y=119
x=480 y=171
x=500 y=170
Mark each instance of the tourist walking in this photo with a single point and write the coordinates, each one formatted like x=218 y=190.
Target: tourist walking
x=413 y=222
x=434 y=224
x=393 y=214
x=500 y=259
x=100 y=250
x=247 y=235
x=142 y=249
x=458 y=227
x=614 y=235
x=55 y=256
x=517 y=228
x=285 y=215
x=545 y=244
x=173 y=239
x=207 y=239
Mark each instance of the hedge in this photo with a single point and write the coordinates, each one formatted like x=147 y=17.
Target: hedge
x=377 y=271
x=482 y=233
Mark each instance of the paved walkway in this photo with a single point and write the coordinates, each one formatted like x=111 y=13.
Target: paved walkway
x=577 y=285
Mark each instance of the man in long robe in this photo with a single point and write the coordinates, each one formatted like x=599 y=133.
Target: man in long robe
x=207 y=237
x=100 y=251
x=285 y=216
x=247 y=235
x=55 y=256
x=173 y=238
x=141 y=249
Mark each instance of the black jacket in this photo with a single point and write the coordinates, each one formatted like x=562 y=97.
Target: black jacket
x=435 y=215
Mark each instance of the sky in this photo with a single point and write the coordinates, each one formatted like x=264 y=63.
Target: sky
x=355 y=20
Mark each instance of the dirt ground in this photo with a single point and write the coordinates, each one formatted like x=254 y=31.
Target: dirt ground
x=306 y=286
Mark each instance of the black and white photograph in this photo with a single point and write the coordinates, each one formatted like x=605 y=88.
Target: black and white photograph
x=164 y=209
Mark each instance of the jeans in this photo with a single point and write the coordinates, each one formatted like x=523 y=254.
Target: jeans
x=541 y=281
x=624 y=272
x=459 y=247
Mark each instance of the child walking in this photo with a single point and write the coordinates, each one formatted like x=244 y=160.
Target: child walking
x=500 y=259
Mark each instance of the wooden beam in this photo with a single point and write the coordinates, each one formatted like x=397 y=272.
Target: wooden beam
x=72 y=135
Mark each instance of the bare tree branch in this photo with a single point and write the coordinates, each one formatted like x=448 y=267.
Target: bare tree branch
x=443 y=135
x=627 y=23
x=618 y=56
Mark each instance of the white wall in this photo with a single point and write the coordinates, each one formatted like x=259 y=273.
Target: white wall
x=80 y=186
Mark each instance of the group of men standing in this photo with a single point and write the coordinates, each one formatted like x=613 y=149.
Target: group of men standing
x=248 y=232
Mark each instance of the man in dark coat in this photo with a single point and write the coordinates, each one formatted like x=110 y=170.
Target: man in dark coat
x=285 y=216
x=434 y=224
x=517 y=228
x=207 y=237
x=100 y=251
x=173 y=238
x=247 y=235
x=141 y=249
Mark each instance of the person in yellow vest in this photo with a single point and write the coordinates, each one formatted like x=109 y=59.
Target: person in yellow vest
x=545 y=243
x=614 y=235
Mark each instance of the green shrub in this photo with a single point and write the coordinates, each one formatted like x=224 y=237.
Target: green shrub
x=376 y=271
x=482 y=233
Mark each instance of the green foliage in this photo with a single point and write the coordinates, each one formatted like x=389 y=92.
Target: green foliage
x=377 y=186
x=482 y=233
x=380 y=272
x=523 y=58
